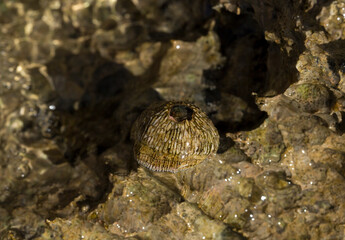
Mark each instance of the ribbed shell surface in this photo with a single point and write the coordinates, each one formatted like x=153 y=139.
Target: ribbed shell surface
x=163 y=144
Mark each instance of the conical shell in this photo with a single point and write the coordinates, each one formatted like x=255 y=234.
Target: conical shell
x=171 y=136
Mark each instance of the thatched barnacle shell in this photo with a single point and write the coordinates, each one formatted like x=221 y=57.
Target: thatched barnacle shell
x=171 y=136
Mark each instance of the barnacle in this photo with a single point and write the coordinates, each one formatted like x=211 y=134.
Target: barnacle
x=170 y=136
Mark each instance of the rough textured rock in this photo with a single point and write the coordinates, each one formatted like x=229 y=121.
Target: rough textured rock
x=74 y=75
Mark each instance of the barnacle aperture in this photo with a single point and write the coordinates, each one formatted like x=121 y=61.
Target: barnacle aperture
x=171 y=136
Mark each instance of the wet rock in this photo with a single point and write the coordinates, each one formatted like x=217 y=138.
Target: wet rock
x=263 y=145
x=225 y=193
x=76 y=228
x=234 y=112
x=314 y=63
x=181 y=69
x=187 y=221
x=141 y=59
x=115 y=158
x=332 y=19
x=234 y=155
x=301 y=130
x=278 y=189
x=136 y=203
x=310 y=97
x=41 y=87
x=26 y=226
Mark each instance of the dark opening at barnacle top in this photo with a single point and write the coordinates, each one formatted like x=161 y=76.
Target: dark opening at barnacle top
x=179 y=113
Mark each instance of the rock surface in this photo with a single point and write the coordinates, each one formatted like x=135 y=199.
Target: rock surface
x=74 y=76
